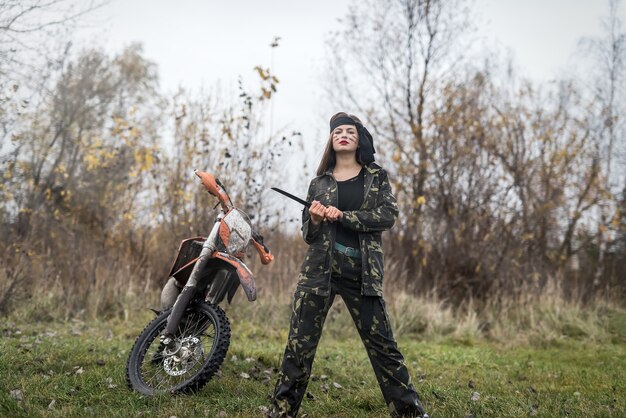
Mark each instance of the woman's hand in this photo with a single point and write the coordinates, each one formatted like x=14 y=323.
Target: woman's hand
x=333 y=214
x=317 y=210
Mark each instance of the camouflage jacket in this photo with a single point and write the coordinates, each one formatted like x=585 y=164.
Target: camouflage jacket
x=377 y=214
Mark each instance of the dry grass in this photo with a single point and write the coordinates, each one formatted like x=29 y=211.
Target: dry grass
x=113 y=287
x=543 y=319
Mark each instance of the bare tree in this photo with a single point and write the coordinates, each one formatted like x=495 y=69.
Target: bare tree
x=609 y=112
x=496 y=176
x=390 y=63
x=24 y=23
x=81 y=155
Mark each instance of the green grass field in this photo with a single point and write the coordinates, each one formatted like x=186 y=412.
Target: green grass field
x=76 y=369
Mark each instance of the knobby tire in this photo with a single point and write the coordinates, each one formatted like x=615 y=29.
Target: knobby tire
x=146 y=350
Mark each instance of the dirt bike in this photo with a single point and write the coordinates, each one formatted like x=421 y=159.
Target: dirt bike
x=183 y=347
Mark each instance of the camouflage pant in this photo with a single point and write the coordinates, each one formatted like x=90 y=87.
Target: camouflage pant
x=370 y=317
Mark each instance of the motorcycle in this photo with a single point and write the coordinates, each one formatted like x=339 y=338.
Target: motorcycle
x=182 y=348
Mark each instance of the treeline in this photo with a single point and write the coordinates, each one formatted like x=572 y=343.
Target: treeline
x=98 y=185
x=505 y=186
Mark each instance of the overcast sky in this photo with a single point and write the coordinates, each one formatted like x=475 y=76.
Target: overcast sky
x=198 y=42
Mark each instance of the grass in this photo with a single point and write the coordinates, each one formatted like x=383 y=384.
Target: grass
x=76 y=368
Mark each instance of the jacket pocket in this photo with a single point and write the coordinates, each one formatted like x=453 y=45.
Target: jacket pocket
x=374 y=282
x=314 y=264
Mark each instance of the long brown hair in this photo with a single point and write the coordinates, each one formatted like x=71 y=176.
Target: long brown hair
x=329 y=158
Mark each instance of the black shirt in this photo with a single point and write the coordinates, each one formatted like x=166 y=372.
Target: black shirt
x=350 y=198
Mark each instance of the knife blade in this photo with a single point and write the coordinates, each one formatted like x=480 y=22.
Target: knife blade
x=289 y=195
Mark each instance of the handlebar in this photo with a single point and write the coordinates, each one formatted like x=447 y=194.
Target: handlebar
x=214 y=187
x=264 y=252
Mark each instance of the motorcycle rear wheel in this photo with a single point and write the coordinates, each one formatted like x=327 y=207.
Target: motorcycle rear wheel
x=202 y=340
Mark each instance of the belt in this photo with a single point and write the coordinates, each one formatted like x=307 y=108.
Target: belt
x=348 y=251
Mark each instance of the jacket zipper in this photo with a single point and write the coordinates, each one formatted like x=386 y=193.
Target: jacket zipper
x=369 y=186
x=363 y=261
x=333 y=233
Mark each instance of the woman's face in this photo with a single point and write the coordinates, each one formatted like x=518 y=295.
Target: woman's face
x=345 y=138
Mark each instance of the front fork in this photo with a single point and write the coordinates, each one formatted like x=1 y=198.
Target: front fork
x=190 y=289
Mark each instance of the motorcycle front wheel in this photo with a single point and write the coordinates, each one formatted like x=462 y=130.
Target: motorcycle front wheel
x=201 y=343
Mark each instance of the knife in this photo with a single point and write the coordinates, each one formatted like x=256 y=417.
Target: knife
x=289 y=195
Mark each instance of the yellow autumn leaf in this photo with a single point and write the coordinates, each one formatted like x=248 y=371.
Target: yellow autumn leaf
x=148 y=161
x=92 y=161
x=262 y=73
x=420 y=200
x=616 y=218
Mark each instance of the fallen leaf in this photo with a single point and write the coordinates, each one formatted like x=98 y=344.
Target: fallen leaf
x=337 y=385
x=51 y=404
x=17 y=394
x=475 y=396
x=244 y=375
x=109 y=383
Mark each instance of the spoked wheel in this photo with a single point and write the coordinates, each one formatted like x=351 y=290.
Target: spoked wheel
x=201 y=343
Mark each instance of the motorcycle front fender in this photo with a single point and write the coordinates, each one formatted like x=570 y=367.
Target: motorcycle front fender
x=246 y=278
x=221 y=260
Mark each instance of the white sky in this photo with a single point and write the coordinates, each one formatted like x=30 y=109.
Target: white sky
x=198 y=42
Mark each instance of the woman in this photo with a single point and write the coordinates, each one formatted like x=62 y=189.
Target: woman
x=352 y=205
